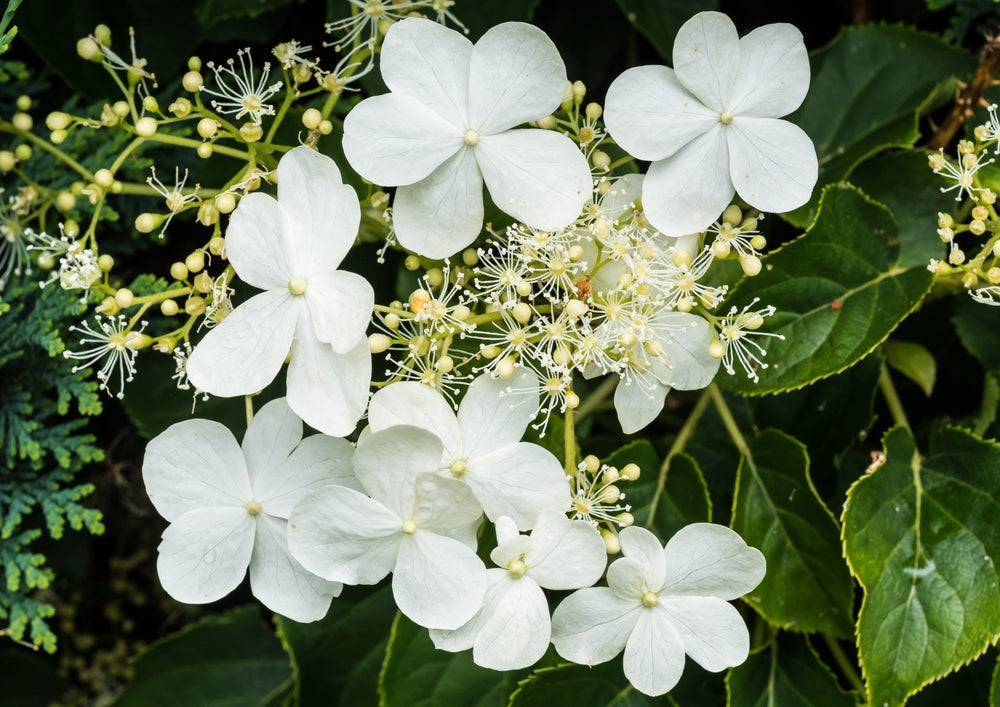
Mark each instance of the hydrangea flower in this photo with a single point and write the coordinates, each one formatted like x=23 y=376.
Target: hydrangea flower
x=513 y=627
x=290 y=248
x=413 y=522
x=482 y=444
x=227 y=506
x=710 y=125
x=663 y=602
x=446 y=127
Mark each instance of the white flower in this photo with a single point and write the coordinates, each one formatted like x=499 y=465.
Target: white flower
x=228 y=506
x=513 y=628
x=710 y=125
x=116 y=343
x=413 y=522
x=663 y=602
x=482 y=443
x=290 y=248
x=446 y=127
x=246 y=96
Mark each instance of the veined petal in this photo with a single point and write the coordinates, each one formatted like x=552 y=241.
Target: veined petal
x=195 y=464
x=773 y=74
x=328 y=390
x=317 y=461
x=419 y=405
x=245 y=351
x=707 y=559
x=651 y=115
x=774 y=165
x=517 y=628
x=443 y=213
x=271 y=436
x=638 y=401
x=627 y=578
x=592 y=625
x=707 y=57
x=495 y=412
x=686 y=338
x=712 y=631
x=394 y=139
x=519 y=481
x=516 y=75
x=640 y=544
x=388 y=462
x=438 y=582
x=340 y=307
x=565 y=554
x=537 y=176
x=204 y=554
x=429 y=62
x=344 y=536
x=323 y=211
x=280 y=582
x=686 y=192
x=620 y=200
x=464 y=636
x=258 y=245
x=654 y=655
x=443 y=504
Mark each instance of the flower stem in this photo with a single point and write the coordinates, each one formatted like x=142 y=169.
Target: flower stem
x=844 y=663
x=680 y=442
x=597 y=397
x=730 y=422
x=569 y=442
x=888 y=389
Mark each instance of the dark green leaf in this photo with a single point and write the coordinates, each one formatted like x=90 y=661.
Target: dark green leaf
x=209 y=12
x=976 y=326
x=914 y=361
x=28 y=678
x=659 y=20
x=576 y=685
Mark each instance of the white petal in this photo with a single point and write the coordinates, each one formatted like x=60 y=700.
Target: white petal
x=627 y=578
x=464 y=636
x=340 y=307
x=619 y=201
x=654 y=656
x=516 y=75
x=318 y=461
x=511 y=547
x=565 y=554
x=592 y=625
x=419 y=405
x=438 y=582
x=640 y=544
x=205 y=553
x=708 y=559
x=773 y=75
x=280 y=582
x=323 y=212
x=495 y=412
x=442 y=214
x=394 y=139
x=194 y=464
x=388 y=462
x=650 y=115
x=517 y=629
x=326 y=389
x=712 y=631
x=519 y=481
x=270 y=437
x=443 y=504
x=707 y=57
x=685 y=193
x=429 y=62
x=638 y=401
x=774 y=166
x=342 y=535
x=539 y=177
x=246 y=350
x=258 y=244
x=686 y=338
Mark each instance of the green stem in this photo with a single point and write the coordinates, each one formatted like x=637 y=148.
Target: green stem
x=569 y=443
x=730 y=422
x=50 y=148
x=680 y=442
x=888 y=389
x=844 y=663
x=597 y=397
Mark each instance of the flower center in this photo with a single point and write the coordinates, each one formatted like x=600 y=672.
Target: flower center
x=471 y=138
x=409 y=526
x=253 y=508
x=650 y=599
x=726 y=117
x=516 y=568
x=459 y=467
x=297 y=286
x=251 y=102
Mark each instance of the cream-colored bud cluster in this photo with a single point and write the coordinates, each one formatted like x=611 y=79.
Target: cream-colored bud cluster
x=598 y=498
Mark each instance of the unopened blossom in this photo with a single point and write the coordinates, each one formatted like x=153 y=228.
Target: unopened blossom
x=662 y=603
x=710 y=126
x=227 y=505
x=446 y=127
x=310 y=312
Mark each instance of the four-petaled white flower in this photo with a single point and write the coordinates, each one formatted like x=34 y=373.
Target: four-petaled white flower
x=710 y=125
x=663 y=602
x=227 y=506
x=482 y=443
x=446 y=127
x=290 y=248
x=513 y=628
x=414 y=523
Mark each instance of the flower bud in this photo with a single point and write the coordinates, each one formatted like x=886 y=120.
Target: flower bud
x=88 y=49
x=147 y=222
x=192 y=81
x=57 y=120
x=151 y=104
x=146 y=127
x=251 y=132
x=105 y=263
x=312 y=118
x=7 y=161
x=22 y=121
x=65 y=201
x=379 y=343
x=194 y=305
x=124 y=298
x=204 y=150
x=103 y=178
x=207 y=127
x=195 y=262
x=225 y=202
x=121 y=109
x=208 y=214
x=179 y=271
x=180 y=107
x=611 y=544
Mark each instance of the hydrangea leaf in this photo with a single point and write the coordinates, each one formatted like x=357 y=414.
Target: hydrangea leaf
x=659 y=20
x=229 y=659
x=914 y=361
x=778 y=511
x=785 y=672
x=920 y=534
x=869 y=87
x=839 y=291
x=995 y=686
x=570 y=685
x=976 y=326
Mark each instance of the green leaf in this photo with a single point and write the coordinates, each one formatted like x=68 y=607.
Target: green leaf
x=28 y=678
x=659 y=20
x=229 y=659
x=976 y=325
x=777 y=510
x=416 y=674
x=914 y=361
x=869 y=87
x=920 y=535
x=337 y=659
x=838 y=291
x=480 y=16
x=786 y=672
x=7 y=36
x=208 y=12
x=995 y=686
x=572 y=685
